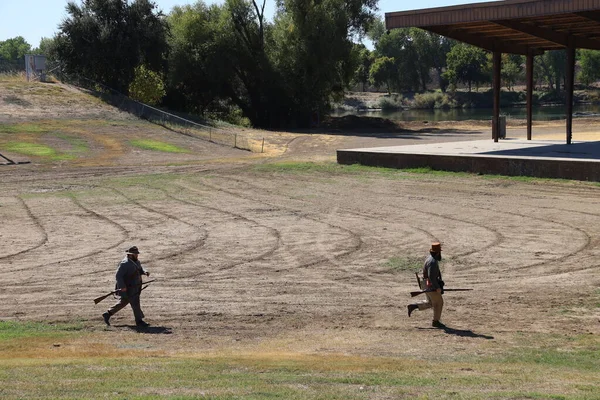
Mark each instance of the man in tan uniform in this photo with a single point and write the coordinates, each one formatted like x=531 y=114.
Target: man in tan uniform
x=433 y=284
x=129 y=284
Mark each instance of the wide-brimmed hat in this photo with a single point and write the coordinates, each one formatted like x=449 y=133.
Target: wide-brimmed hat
x=132 y=250
x=436 y=247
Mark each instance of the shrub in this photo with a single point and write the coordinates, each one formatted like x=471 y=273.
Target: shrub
x=435 y=100
x=393 y=102
x=147 y=86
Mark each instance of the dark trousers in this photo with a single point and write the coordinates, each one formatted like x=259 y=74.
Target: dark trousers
x=134 y=301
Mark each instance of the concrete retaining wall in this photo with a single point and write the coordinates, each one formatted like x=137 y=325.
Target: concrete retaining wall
x=584 y=170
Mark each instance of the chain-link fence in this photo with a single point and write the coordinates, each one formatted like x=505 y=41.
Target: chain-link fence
x=163 y=118
x=11 y=66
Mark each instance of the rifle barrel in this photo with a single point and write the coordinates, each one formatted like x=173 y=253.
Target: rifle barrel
x=413 y=294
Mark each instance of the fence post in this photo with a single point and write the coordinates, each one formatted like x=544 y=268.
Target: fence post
x=262 y=149
x=210 y=134
x=235 y=141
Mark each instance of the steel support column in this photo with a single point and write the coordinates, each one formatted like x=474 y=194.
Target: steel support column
x=570 y=85
x=496 y=117
x=529 y=68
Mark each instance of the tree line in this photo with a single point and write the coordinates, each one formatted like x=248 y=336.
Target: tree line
x=229 y=61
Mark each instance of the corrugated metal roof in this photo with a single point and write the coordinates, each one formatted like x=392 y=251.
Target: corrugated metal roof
x=511 y=26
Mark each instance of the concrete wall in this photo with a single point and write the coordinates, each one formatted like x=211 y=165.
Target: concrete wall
x=541 y=168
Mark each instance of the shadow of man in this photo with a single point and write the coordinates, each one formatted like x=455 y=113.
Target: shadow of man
x=465 y=333
x=154 y=330
x=151 y=330
x=462 y=332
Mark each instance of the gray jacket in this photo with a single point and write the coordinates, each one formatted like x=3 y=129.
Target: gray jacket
x=129 y=275
x=432 y=273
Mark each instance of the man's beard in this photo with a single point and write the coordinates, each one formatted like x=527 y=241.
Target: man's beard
x=438 y=257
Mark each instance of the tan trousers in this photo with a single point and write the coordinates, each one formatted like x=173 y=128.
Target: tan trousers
x=435 y=301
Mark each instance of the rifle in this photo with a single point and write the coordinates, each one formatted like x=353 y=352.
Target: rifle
x=99 y=299
x=413 y=294
x=418 y=279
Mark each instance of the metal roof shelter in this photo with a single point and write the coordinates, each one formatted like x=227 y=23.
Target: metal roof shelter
x=527 y=27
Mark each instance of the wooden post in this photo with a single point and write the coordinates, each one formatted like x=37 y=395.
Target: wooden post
x=262 y=149
x=496 y=82
x=529 y=94
x=570 y=85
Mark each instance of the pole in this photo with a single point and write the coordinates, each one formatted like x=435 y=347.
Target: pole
x=529 y=94
x=496 y=117
x=570 y=85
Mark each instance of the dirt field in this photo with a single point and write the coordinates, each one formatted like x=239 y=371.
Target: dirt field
x=251 y=256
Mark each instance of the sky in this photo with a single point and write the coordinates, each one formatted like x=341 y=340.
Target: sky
x=35 y=19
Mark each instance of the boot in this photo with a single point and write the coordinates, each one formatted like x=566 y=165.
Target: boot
x=106 y=317
x=141 y=324
x=411 y=308
x=437 y=324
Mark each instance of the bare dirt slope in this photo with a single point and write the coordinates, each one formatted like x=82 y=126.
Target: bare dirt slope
x=253 y=257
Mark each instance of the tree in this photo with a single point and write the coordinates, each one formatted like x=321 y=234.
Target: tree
x=398 y=46
x=467 y=64
x=590 y=66
x=47 y=48
x=313 y=50
x=376 y=31
x=13 y=51
x=105 y=40
x=364 y=61
x=431 y=51
x=551 y=66
x=512 y=69
x=278 y=74
x=199 y=65
x=383 y=71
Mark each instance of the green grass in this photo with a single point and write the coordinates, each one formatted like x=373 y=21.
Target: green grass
x=16 y=329
x=284 y=377
x=78 y=145
x=22 y=128
x=399 y=264
x=156 y=145
x=37 y=150
x=539 y=366
x=393 y=173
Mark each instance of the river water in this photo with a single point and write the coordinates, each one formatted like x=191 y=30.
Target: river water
x=540 y=113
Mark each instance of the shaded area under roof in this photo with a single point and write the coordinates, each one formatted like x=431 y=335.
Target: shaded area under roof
x=511 y=26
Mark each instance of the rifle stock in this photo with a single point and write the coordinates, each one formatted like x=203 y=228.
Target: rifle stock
x=99 y=299
x=413 y=294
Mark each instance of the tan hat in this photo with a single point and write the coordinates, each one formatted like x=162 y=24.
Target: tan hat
x=436 y=247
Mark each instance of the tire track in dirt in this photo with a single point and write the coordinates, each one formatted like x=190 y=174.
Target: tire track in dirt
x=355 y=247
x=36 y=223
x=587 y=242
x=275 y=233
x=127 y=236
x=194 y=245
x=85 y=255
x=499 y=237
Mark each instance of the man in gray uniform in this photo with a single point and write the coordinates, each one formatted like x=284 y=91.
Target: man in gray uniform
x=433 y=284
x=129 y=284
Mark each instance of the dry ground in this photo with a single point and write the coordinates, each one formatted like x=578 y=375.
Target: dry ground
x=251 y=257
